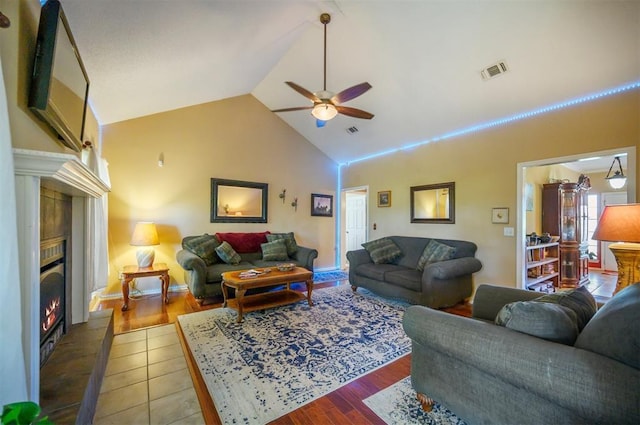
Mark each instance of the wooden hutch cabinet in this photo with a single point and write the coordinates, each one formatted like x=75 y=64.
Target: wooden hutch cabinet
x=565 y=213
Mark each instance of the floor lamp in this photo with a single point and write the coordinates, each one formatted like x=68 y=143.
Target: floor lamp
x=621 y=224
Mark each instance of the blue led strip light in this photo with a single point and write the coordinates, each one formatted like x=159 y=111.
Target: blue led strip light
x=517 y=117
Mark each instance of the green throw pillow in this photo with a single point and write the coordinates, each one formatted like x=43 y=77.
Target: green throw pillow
x=274 y=251
x=290 y=241
x=204 y=247
x=579 y=300
x=228 y=254
x=382 y=250
x=434 y=252
x=544 y=320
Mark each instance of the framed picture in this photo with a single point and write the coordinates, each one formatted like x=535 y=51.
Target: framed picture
x=384 y=198
x=321 y=205
x=500 y=215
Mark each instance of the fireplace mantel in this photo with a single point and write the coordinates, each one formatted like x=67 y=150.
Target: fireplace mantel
x=67 y=174
x=71 y=175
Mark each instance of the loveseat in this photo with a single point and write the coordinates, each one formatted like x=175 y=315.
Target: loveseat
x=442 y=280
x=200 y=257
x=514 y=372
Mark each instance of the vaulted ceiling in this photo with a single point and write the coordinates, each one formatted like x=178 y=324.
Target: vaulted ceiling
x=423 y=59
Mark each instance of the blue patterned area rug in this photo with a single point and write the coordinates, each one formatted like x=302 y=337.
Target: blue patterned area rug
x=329 y=276
x=280 y=359
x=398 y=405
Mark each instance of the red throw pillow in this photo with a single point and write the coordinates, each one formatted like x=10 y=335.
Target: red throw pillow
x=244 y=242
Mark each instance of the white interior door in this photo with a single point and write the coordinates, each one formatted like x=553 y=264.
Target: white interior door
x=610 y=198
x=355 y=219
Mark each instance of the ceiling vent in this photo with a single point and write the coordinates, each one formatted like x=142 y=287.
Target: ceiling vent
x=352 y=130
x=494 y=70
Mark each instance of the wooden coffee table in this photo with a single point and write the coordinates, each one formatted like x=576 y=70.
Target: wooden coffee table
x=248 y=303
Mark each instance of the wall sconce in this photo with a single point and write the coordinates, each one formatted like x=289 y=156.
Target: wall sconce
x=294 y=204
x=161 y=160
x=4 y=21
x=145 y=236
x=283 y=195
x=618 y=179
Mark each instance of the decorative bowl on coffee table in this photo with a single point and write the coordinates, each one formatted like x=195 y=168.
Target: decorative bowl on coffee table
x=285 y=267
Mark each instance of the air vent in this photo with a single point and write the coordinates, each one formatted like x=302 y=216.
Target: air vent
x=352 y=130
x=494 y=70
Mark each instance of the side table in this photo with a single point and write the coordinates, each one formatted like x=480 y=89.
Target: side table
x=128 y=273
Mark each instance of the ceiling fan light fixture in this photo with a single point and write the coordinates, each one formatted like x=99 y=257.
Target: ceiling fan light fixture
x=618 y=179
x=324 y=111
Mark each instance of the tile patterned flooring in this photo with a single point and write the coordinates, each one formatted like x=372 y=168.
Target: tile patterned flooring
x=147 y=381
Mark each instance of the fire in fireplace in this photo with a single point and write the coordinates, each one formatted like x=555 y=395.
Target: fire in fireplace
x=52 y=296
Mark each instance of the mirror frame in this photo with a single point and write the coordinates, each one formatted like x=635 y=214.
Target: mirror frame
x=452 y=203
x=215 y=187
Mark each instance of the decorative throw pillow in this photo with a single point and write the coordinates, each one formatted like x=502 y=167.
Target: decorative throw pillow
x=228 y=254
x=244 y=242
x=382 y=250
x=292 y=246
x=204 y=247
x=433 y=252
x=579 y=300
x=614 y=331
x=274 y=251
x=552 y=322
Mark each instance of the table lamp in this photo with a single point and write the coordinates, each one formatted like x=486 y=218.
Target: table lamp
x=621 y=224
x=145 y=236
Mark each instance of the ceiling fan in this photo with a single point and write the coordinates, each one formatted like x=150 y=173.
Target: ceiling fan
x=326 y=105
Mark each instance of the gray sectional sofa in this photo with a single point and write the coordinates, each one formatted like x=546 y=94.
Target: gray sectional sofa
x=490 y=374
x=204 y=280
x=440 y=284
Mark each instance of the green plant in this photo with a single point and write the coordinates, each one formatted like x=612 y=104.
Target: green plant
x=23 y=413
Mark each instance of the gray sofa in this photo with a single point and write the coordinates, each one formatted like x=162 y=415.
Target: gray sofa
x=204 y=281
x=489 y=374
x=441 y=284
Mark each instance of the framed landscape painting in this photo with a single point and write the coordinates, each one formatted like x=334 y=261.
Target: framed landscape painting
x=384 y=198
x=321 y=205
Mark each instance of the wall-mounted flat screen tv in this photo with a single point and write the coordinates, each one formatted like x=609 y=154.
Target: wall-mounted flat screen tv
x=59 y=82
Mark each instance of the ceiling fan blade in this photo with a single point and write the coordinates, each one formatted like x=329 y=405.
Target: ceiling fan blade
x=306 y=93
x=350 y=93
x=353 y=112
x=297 y=108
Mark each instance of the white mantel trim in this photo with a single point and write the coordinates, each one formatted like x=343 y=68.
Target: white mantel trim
x=65 y=168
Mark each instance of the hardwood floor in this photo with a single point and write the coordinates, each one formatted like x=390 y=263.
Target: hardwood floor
x=343 y=406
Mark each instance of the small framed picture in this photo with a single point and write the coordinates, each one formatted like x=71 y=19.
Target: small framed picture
x=384 y=198
x=321 y=205
x=500 y=215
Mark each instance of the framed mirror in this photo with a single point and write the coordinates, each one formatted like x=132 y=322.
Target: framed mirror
x=236 y=201
x=433 y=203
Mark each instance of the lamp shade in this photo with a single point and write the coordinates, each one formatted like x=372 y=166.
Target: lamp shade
x=619 y=223
x=145 y=234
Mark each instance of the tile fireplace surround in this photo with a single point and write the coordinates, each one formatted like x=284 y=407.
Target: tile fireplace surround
x=66 y=174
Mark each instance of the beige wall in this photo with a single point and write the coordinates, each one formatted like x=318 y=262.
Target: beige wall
x=237 y=138
x=484 y=167
x=17 y=44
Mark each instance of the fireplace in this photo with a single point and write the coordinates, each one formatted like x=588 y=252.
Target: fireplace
x=52 y=296
x=66 y=174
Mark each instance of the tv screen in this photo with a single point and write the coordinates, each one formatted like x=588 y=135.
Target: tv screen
x=59 y=82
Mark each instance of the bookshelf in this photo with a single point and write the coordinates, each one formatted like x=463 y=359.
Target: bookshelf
x=542 y=262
